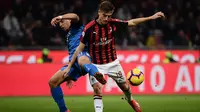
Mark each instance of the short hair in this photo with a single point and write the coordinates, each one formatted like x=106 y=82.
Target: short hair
x=106 y=6
x=106 y=0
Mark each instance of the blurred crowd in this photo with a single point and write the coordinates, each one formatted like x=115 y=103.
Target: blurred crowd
x=27 y=22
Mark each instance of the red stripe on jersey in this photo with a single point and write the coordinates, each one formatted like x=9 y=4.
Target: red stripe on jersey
x=109 y=37
x=113 y=45
x=104 y=38
x=89 y=25
x=90 y=44
x=97 y=46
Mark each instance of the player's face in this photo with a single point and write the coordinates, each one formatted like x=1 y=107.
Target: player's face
x=104 y=17
x=65 y=24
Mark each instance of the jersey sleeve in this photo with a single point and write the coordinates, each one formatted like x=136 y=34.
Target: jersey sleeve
x=120 y=23
x=85 y=36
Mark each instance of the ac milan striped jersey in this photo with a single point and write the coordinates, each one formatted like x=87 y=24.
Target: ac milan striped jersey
x=100 y=40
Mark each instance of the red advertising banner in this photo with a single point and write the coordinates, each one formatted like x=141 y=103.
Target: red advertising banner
x=134 y=56
x=32 y=80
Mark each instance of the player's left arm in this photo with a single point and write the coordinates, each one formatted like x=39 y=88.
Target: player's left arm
x=70 y=16
x=134 y=22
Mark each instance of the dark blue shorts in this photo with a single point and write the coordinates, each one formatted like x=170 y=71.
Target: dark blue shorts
x=75 y=71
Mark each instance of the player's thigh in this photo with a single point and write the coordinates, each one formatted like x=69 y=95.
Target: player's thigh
x=57 y=78
x=68 y=78
x=117 y=74
x=74 y=73
x=114 y=70
x=84 y=58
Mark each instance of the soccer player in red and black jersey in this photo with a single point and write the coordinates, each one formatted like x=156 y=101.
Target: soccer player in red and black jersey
x=98 y=36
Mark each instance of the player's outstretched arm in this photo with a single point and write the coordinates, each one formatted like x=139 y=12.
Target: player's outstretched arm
x=70 y=16
x=134 y=22
x=78 y=50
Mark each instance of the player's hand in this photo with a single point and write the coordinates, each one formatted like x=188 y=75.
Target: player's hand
x=158 y=15
x=65 y=72
x=56 y=20
x=69 y=84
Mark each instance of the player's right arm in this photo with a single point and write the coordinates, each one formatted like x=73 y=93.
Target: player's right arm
x=70 y=16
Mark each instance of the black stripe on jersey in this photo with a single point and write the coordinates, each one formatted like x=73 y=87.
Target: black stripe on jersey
x=93 y=35
x=109 y=48
x=90 y=44
x=111 y=45
x=96 y=40
x=100 y=46
x=106 y=50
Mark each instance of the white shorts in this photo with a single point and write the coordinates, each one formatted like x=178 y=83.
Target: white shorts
x=112 y=69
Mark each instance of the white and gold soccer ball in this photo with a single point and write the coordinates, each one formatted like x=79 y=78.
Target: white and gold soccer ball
x=135 y=77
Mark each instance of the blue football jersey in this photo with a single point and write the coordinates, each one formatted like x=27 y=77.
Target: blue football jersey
x=73 y=38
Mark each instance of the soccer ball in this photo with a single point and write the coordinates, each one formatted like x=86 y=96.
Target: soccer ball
x=135 y=77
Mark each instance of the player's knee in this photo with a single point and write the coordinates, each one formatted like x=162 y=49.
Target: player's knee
x=83 y=60
x=97 y=89
x=52 y=83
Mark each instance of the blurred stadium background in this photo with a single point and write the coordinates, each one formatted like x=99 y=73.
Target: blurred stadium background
x=167 y=51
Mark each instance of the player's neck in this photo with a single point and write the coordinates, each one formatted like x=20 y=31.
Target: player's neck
x=98 y=21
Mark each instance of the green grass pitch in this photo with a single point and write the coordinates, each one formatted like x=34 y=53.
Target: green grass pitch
x=160 y=103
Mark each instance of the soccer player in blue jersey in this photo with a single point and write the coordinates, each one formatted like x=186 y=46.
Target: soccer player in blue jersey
x=71 y=23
